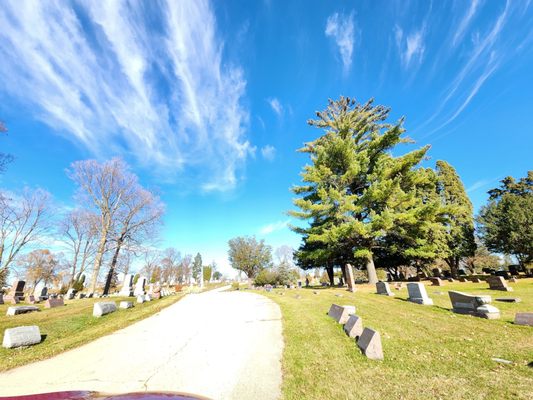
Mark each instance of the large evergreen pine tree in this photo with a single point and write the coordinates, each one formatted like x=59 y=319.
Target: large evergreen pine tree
x=356 y=193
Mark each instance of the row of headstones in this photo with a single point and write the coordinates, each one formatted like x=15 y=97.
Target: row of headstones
x=30 y=335
x=462 y=303
x=367 y=339
x=495 y=282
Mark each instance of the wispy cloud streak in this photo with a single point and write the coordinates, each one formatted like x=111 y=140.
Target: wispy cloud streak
x=108 y=78
x=341 y=29
x=465 y=22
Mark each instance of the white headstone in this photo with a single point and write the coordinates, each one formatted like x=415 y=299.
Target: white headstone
x=139 y=286
x=140 y=299
x=127 y=286
x=21 y=336
x=126 y=304
x=418 y=294
x=103 y=308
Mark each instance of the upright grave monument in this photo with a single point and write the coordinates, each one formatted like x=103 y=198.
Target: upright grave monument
x=127 y=286
x=418 y=294
x=475 y=305
x=498 y=283
x=383 y=288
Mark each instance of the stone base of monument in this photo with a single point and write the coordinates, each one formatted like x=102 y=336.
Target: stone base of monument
x=103 y=308
x=21 y=310
x=51 y=303
x=341 y=313
x=370 y=344
x=21 y=336
x=126 y=293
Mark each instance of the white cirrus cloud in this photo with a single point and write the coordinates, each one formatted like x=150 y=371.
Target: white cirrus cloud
x=274 y=227
x=341 y=28
x=130 y=78
x=411 y=47
x=276 y=106
x=465 y=21
x=268 y=152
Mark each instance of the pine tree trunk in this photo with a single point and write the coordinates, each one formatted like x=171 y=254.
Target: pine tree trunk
x=371 y=270
x=329 y=270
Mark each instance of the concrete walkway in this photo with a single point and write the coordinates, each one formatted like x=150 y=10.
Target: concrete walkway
x=221 y=345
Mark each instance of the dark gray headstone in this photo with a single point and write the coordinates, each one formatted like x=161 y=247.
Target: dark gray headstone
x=475 y=305
x=341 y=313
x=370 y=344
x=354 y=326
x=384 y=289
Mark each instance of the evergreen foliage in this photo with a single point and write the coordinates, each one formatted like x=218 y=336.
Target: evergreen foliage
x=506 y=222
x=197 y=267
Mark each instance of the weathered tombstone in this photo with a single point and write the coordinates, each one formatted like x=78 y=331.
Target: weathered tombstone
x=341 y=313
x=71 y=293
x=349 y=278
x=140 y=299
x=436 y=282
x=31 y=299
x=451 y=280
x=503 y=274
x=21 y=310
x=370 y=344
x=1 y=298
x=524 y=318
x=16 y=292
x=513 y=269
x=139 y=286
x=477 y=306
x=437 y=272
x=498 y=283
x=126 y=304
x=383 y=288
x=103 y=308
x=354 y=326
x=21 y=336
x=53 y=302
x=127 y=286
x=44 y=293
x=418 y=294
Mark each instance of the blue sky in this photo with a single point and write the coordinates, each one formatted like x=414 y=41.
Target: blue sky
x=208 y=101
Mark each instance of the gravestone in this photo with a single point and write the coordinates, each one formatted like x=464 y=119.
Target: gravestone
x=341 y=313
x=21 y=336
x=80 y=296
x=31 y=299
x=1 y=298
x=103 y=308
x=475 y=305
x=350 y=278
x=418 y=294
x=354 y=326
x=44 y=293
x=436 y=282
x=476 y=280
x=139 y=286
x=140 y=299
x=463 y=279
x=451 y=280
x=147 y=297
x=71 y=293
x=508 y=299
x=16 y=292
x=437 y=272
x=514 y=269
x=126 y=304
x=524 y=318
x=21 y=310
x=127 y=286
x=156 y=292
x=498 y=283
x=370 y=344
x=53 y=302
x=383 y=288
x=503 y=274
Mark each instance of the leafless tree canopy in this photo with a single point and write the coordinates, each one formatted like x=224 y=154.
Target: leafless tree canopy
x=23 y=220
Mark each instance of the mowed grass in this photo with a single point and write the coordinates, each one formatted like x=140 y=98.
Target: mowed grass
x=430 y=352
x=71 y=326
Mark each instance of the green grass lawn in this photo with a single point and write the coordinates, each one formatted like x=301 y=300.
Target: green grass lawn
x=71 y=326
x=430 y=352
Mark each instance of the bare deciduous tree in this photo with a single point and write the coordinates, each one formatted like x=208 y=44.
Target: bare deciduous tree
x=137 y=220
x=79 y=229
x=23 y=220
x=105 y=185
x=40 y=266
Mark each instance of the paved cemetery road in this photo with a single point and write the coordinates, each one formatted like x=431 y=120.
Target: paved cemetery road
x=222 y=345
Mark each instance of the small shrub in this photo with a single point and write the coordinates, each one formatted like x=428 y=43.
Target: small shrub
x=235 y=286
